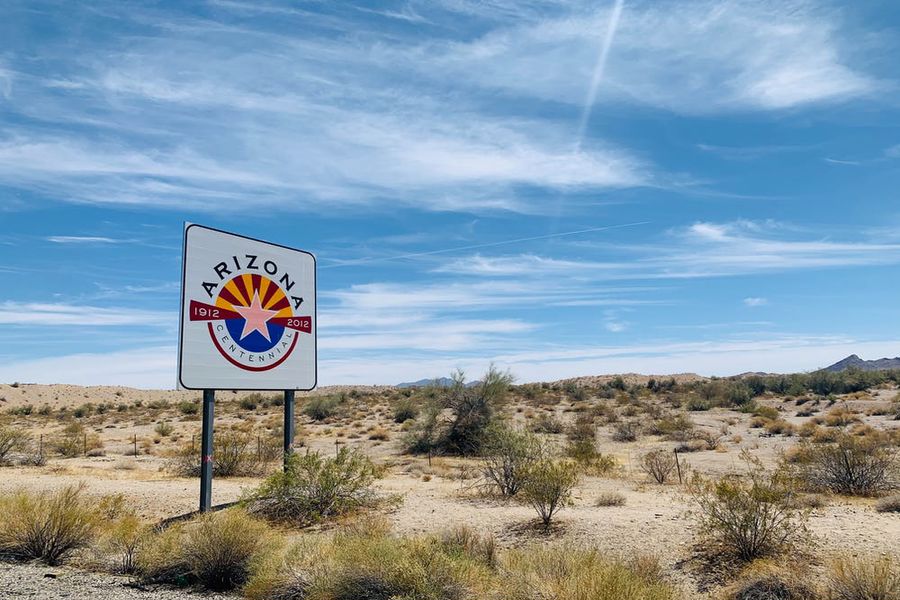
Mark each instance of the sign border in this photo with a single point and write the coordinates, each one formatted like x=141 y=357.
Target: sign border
x=184 y=250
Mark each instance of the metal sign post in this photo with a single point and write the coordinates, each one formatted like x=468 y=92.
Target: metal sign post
x=288 y=426
x=248 y=322
x=206 y=451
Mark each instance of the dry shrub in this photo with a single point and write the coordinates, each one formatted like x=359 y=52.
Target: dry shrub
x=891 y=504
x=563 y=573
x=626 y=431
x=765 y=581
x=215 y=550
x=549 y=487
x=749 y=516
x=853 y=466
x=379 y=434
x=405 y=409
x=382 y=567
x=235 y=454
x=465 y=541
x=47 y=526
x=124 y=538
x=841 y=417
x=219 y=547
x=677 y=427
x=508 y=456
x=659 y=464
x=12 y=439
x=74 y=441
x=864 y=578
x=610 y=499
x=315 y=488
x=161 y=559
x=545 y=423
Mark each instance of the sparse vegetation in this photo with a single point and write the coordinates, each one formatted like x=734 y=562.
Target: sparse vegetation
x=12 y=439
x=472 y=411
x=855 y=466
x=319 y=408
x=864 y=578
x=610 y=499
x=215 y=550
x=315 y=488
x=47 y=526
x=749 y=516
x=659 y=464
x=549 y=487
x=508 y=457
x=766 y=581
x=235 y=454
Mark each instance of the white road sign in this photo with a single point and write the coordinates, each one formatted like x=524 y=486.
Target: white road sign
x=248 y=314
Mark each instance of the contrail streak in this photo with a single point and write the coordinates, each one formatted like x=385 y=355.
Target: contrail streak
x=487 y=245
x=599 y=68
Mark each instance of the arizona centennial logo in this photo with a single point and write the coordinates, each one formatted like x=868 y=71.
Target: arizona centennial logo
x=251 y=312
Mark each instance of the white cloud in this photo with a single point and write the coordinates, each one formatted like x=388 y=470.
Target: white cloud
x=701 y=250
x=692 y=57
x=82 y=239
x=52 y=315
x=755 y=301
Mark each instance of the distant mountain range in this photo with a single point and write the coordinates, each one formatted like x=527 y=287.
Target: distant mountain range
x=439 y=381
x=855 y=362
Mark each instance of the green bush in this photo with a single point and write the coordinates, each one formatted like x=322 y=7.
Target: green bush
x=508 y=456
x=472 y=410
x=549 y=487
x=750 y=515
x=319 y=408
x=404 y=410
x=164 y=429
x=47 y=526
x=188 y=408
x=315 y=488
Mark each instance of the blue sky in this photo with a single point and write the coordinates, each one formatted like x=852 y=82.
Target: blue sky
x=560 y=187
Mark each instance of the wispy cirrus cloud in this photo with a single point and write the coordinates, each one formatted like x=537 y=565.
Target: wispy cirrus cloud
x=754 y=301
x=35 y=314
x=704 y=249
x=309 y=115
x=698 y=57
x=83 y=239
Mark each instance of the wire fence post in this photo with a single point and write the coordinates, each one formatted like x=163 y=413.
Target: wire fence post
x=678 y=465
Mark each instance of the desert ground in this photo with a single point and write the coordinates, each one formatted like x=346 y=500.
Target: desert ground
x=125 y=441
